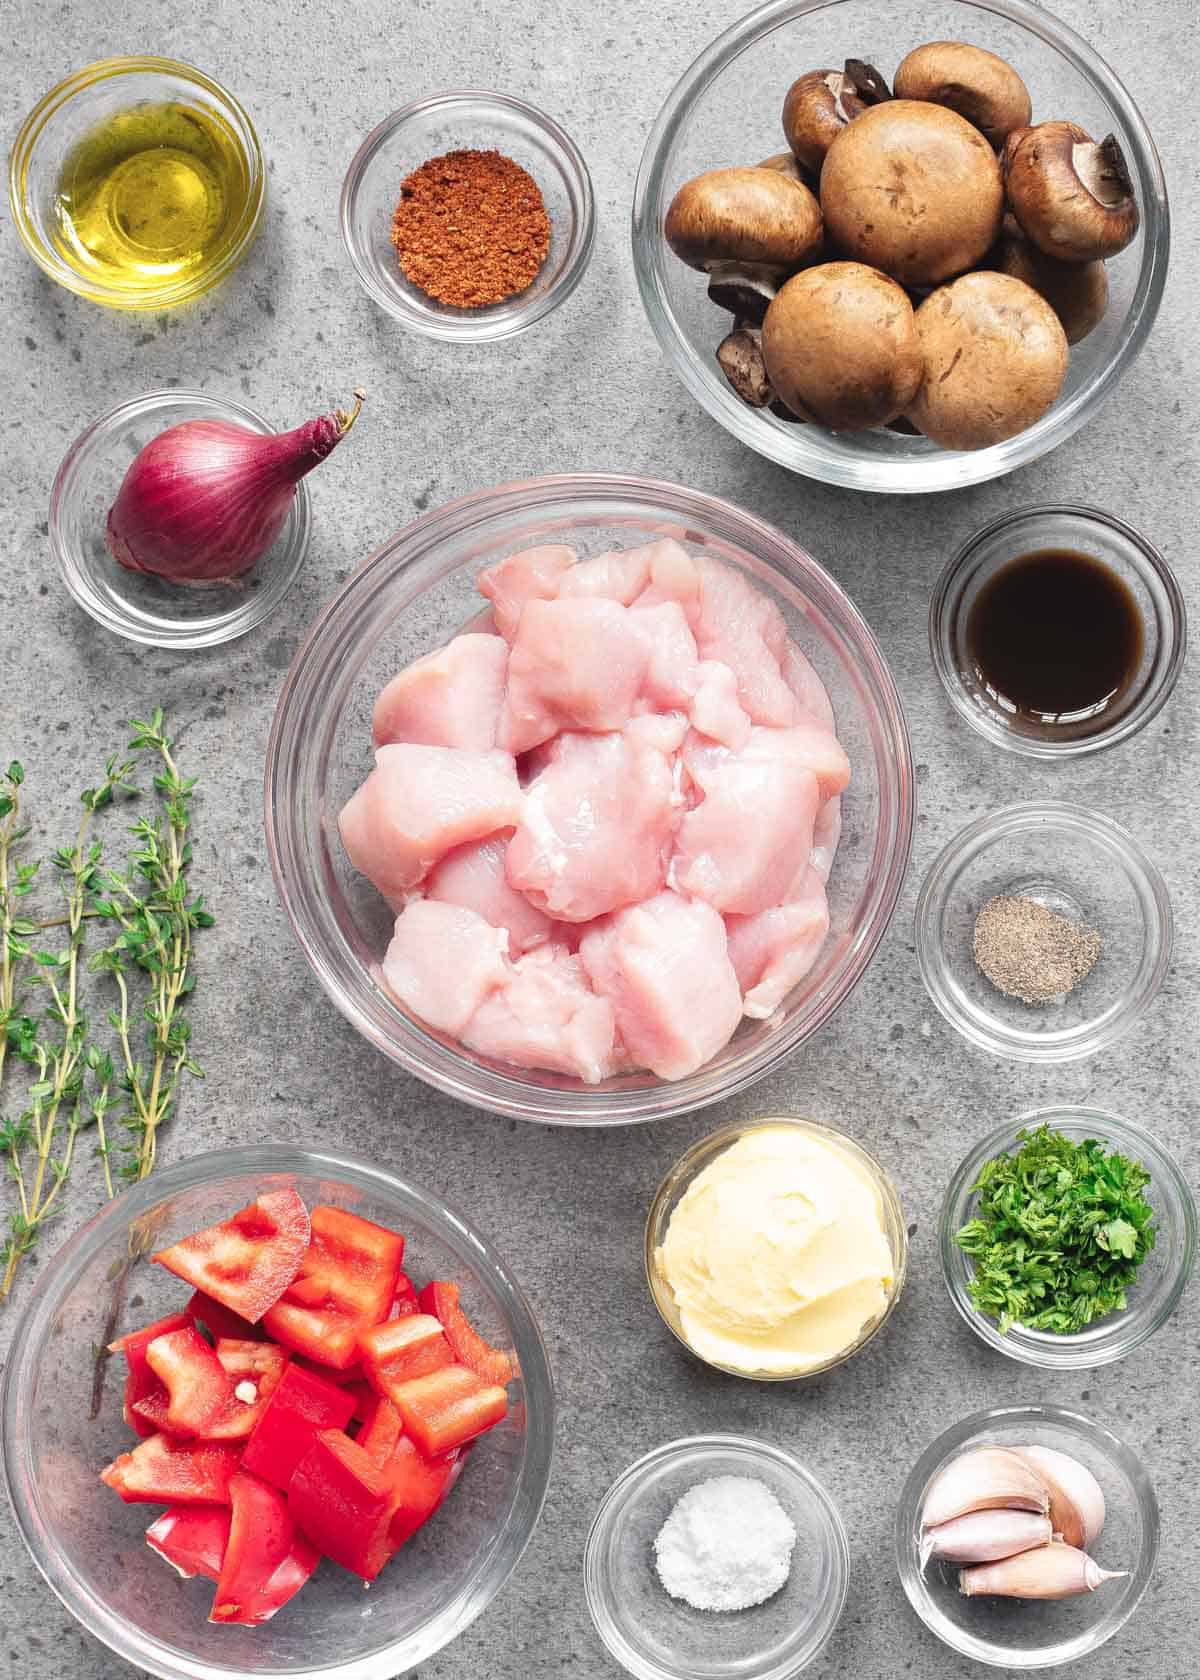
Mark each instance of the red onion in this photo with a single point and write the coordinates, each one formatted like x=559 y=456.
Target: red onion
x=205 y=500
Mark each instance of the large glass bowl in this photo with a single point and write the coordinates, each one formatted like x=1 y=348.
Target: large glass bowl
x=415 y=592
x=725 y=109
x=90 y=1546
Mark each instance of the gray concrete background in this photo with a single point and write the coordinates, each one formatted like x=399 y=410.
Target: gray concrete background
x=290 y=333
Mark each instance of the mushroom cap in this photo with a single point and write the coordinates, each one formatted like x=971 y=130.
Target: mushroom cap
x=980 y=86
x=912 y=188
x=1072 y=195
x=995 y=357
x=816 y=108
x=1077 y=292
x=743 y=215
x=841 y=348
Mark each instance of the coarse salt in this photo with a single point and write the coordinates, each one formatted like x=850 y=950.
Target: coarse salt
x=726 y=1545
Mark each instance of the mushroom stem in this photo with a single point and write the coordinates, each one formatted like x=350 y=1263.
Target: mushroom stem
x=740 y=358
x=868 y=84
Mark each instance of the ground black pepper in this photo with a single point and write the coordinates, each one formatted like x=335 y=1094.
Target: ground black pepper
x=1032 y=953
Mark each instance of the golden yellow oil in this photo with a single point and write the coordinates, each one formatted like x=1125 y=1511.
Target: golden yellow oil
x=151 y=196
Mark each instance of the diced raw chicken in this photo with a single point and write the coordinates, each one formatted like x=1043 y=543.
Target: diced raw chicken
x=810 y=692
x=807 y=743
x=443 y=961
x=574 y=665
x=664 y=731
x=597 y=826
x=827 y=831
x=418 y=803
x=473 y=876
x=664 y=966
x=531 y=575
x=672 y=664
x=546 y=1016
x=450 y=698
x=714 y=708
x=744 y=844
x=743 y=628
x=620 y=575
x=672 y=577
x=773 y=951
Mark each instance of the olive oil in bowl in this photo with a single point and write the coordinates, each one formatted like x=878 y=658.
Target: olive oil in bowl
x=152 y=196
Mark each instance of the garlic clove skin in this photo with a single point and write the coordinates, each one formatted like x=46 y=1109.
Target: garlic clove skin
x=1053 y=1571
x=985 y=1536
x=1076 y=1497
x=984 y=1479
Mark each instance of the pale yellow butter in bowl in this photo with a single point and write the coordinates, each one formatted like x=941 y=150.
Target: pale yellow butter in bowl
x=776 y=1250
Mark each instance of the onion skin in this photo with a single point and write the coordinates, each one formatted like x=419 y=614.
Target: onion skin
x=204 y=501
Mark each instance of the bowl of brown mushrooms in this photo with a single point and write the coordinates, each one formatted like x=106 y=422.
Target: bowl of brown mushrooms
x=901 y=247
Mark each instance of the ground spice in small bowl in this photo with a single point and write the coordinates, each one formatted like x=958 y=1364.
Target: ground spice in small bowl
x=471 y=228
x=1030 y=952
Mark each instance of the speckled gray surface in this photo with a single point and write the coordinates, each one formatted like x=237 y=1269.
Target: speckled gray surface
x=291 y=332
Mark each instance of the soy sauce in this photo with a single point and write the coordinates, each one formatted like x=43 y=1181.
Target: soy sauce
x=1056 y=637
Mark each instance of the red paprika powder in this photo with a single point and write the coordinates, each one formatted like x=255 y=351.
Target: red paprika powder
x=471 y=228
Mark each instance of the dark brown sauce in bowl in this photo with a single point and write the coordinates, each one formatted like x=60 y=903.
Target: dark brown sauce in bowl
x=1056 y=638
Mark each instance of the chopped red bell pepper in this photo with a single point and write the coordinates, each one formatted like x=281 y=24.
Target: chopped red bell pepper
x=247 y=1261
x=416 y=1485
x=405 y=1299
x=345 y=1283
x=192 y=1538
x=196 y=1384
x=403 y=1348
x=302 y=1404
x=382 y=1428
x=364 y=1400
x=470 y=1349
x=266 y=1561
x=447 y=1408
x=248 y=1365
x=160 y=1471
x=340 y=1500
x=141 y=1383
x=219 y=1321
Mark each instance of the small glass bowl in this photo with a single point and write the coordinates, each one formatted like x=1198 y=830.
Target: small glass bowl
x=657 y=1637
x=467 y=119
x=1026 y=1633
x=68 y=112
x=1084 y=530
x=1075 y=862
x=693 y=1162
x=91 y=1547
x=1162 y=1276
x=133 y=604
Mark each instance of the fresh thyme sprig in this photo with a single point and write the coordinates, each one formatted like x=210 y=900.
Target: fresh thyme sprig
x=73 y=1077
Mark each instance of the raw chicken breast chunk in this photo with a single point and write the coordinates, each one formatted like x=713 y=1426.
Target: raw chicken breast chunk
x=597 y=825
x=672 y=576
x=473 y=876
x=546 y=1016
x=532 y=575
x=714 y=708
x=773 y=951
x=575 y=664
x=450 y=698
x=443 y=961
x=664 y=966
x=744 y=629
x=418 y=803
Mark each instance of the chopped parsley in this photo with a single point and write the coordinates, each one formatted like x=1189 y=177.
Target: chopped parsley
x=1059 y=1232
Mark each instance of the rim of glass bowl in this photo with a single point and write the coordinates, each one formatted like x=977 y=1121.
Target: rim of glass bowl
x=611 y=1511
x=177 y=291
x=519 y=315
x=1118 y=1334
x=63 y=1270
x=946 y=603
x=968 y=1428
x=950 y=997
x=676 y=1181
x=249 y=609
x=946 y=470
x=316 y=688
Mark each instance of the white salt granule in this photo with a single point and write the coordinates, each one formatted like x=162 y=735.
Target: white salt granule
x=726 y=1545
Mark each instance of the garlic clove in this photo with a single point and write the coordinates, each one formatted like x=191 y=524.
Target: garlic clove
x=984 y=1536
x=1053 y=1571
x=1076 y=1497
x=984 y=1479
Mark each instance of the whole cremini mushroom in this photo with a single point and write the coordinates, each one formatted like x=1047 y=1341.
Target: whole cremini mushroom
x=995 y=357
x=841 y=348
x=1072 y=195
x=981 y=87
x=913 y=189
x=746 y=216
x=819 y=104
x=1077 y=292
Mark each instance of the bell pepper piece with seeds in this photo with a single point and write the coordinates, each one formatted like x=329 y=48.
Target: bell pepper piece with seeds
x=302 y=1404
